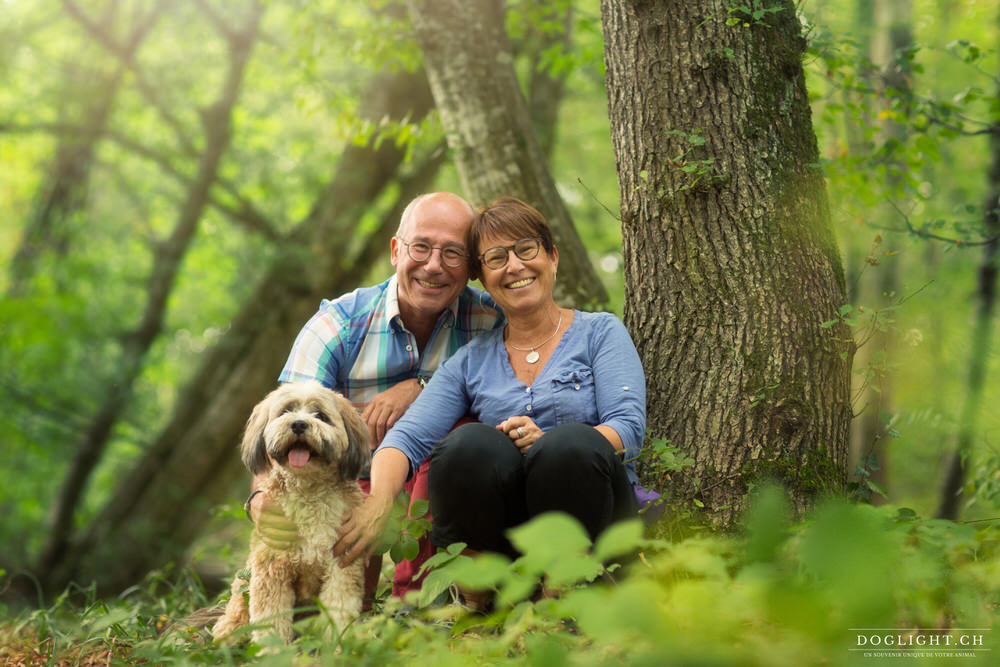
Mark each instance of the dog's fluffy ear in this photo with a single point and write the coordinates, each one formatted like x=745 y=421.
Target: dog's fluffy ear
x=254 y=448
x=358 y=441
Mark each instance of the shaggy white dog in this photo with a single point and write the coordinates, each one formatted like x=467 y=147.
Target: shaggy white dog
x=312 y=444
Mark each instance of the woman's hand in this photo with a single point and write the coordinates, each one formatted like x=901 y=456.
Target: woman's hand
x=522 y=431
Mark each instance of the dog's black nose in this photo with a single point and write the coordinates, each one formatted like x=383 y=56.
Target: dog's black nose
x=299 y=427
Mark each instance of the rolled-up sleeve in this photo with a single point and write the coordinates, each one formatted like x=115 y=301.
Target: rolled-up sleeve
x=620 y=384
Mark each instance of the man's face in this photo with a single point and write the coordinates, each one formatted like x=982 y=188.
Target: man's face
x=427 y=288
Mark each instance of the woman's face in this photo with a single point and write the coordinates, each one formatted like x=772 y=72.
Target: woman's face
x=521 y=285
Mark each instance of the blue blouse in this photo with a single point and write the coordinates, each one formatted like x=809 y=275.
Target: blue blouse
x=593 y=377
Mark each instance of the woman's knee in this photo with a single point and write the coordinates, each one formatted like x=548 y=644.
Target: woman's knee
x=474 y=456
x=467 y=445
x=570 y=446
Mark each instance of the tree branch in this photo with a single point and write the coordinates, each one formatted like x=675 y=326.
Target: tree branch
x=245 y=214
x=127 y=58
x=935 y=237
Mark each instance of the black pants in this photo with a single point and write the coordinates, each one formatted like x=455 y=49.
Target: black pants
x=480 y=484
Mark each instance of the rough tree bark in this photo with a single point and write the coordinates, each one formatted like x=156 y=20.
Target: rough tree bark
x=730 y=262
x=192 y=464
x=470 y=67
x=169 y=254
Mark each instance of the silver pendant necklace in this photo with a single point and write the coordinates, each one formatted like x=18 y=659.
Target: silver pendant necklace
x=532 y=356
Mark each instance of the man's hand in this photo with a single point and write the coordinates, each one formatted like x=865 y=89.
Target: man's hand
x=275 y=529
x=388 y=406
x=362 y=529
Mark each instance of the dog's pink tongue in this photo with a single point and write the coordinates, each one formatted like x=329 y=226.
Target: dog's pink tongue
x=298 y=457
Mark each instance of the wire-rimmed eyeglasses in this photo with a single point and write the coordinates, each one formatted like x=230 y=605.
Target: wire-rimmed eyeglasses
x=451 y=256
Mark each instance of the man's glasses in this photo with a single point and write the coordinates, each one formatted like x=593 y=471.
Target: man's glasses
x=451 y=256
x=496 y=258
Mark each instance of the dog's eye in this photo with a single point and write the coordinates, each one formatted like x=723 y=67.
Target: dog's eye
x=322 y=417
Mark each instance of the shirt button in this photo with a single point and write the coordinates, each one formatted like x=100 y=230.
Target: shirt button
x=528 y=407
x=409 y=348
x=577 y=387
x=625 y=388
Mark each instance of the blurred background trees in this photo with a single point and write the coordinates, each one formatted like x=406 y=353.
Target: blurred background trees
x=183 y=181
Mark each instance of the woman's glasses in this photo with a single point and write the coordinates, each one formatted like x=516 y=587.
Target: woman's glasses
x=451 y=256
x=496 y=258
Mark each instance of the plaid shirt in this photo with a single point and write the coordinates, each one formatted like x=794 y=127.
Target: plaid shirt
x=357 y=344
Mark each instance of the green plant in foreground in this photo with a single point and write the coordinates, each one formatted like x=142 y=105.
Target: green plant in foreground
x=778 y=593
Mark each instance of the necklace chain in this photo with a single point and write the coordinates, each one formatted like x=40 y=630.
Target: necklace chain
x=532 y=356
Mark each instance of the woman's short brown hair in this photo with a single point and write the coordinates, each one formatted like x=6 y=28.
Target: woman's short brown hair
x=507 y=217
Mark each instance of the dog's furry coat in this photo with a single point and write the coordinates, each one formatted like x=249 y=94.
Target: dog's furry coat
x=312 y=444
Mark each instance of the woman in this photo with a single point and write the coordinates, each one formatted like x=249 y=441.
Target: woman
x=559 y=396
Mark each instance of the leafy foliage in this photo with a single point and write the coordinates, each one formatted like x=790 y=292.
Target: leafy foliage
x=779 y=593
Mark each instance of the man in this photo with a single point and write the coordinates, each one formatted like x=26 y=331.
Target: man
x=379 y=345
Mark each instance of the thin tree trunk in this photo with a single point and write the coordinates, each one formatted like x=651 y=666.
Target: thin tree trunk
x=192 y=464
x=470 y=68
x=545 y=87
x=982 y=333
x=858 y=144
x=730 y=262
x=870 y=433
x=63 y=193
x=168 y=256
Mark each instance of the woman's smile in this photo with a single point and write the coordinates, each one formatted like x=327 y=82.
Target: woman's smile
x=517 y=284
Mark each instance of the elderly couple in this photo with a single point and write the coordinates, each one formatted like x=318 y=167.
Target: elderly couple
x=556 y=396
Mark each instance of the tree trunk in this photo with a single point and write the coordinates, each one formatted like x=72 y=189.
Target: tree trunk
x=730 y=262
x=879 y=289
x=193 y=463
x=470 y=68
x=545 y=88
x=858 y=143
x=166 y=263
x=980 y=350
x=63 y=192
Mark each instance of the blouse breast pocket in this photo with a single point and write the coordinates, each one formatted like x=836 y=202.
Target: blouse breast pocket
x=574 y=397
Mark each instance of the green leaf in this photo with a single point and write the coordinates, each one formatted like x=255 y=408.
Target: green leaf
x=767 y=524
x=419 y=509
x=619 y=539
x=434 y=584
x=453 y=551
x=551 y=534
x=515 y=588
x=484 y=571
x=410 y=547
x=574 y=570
